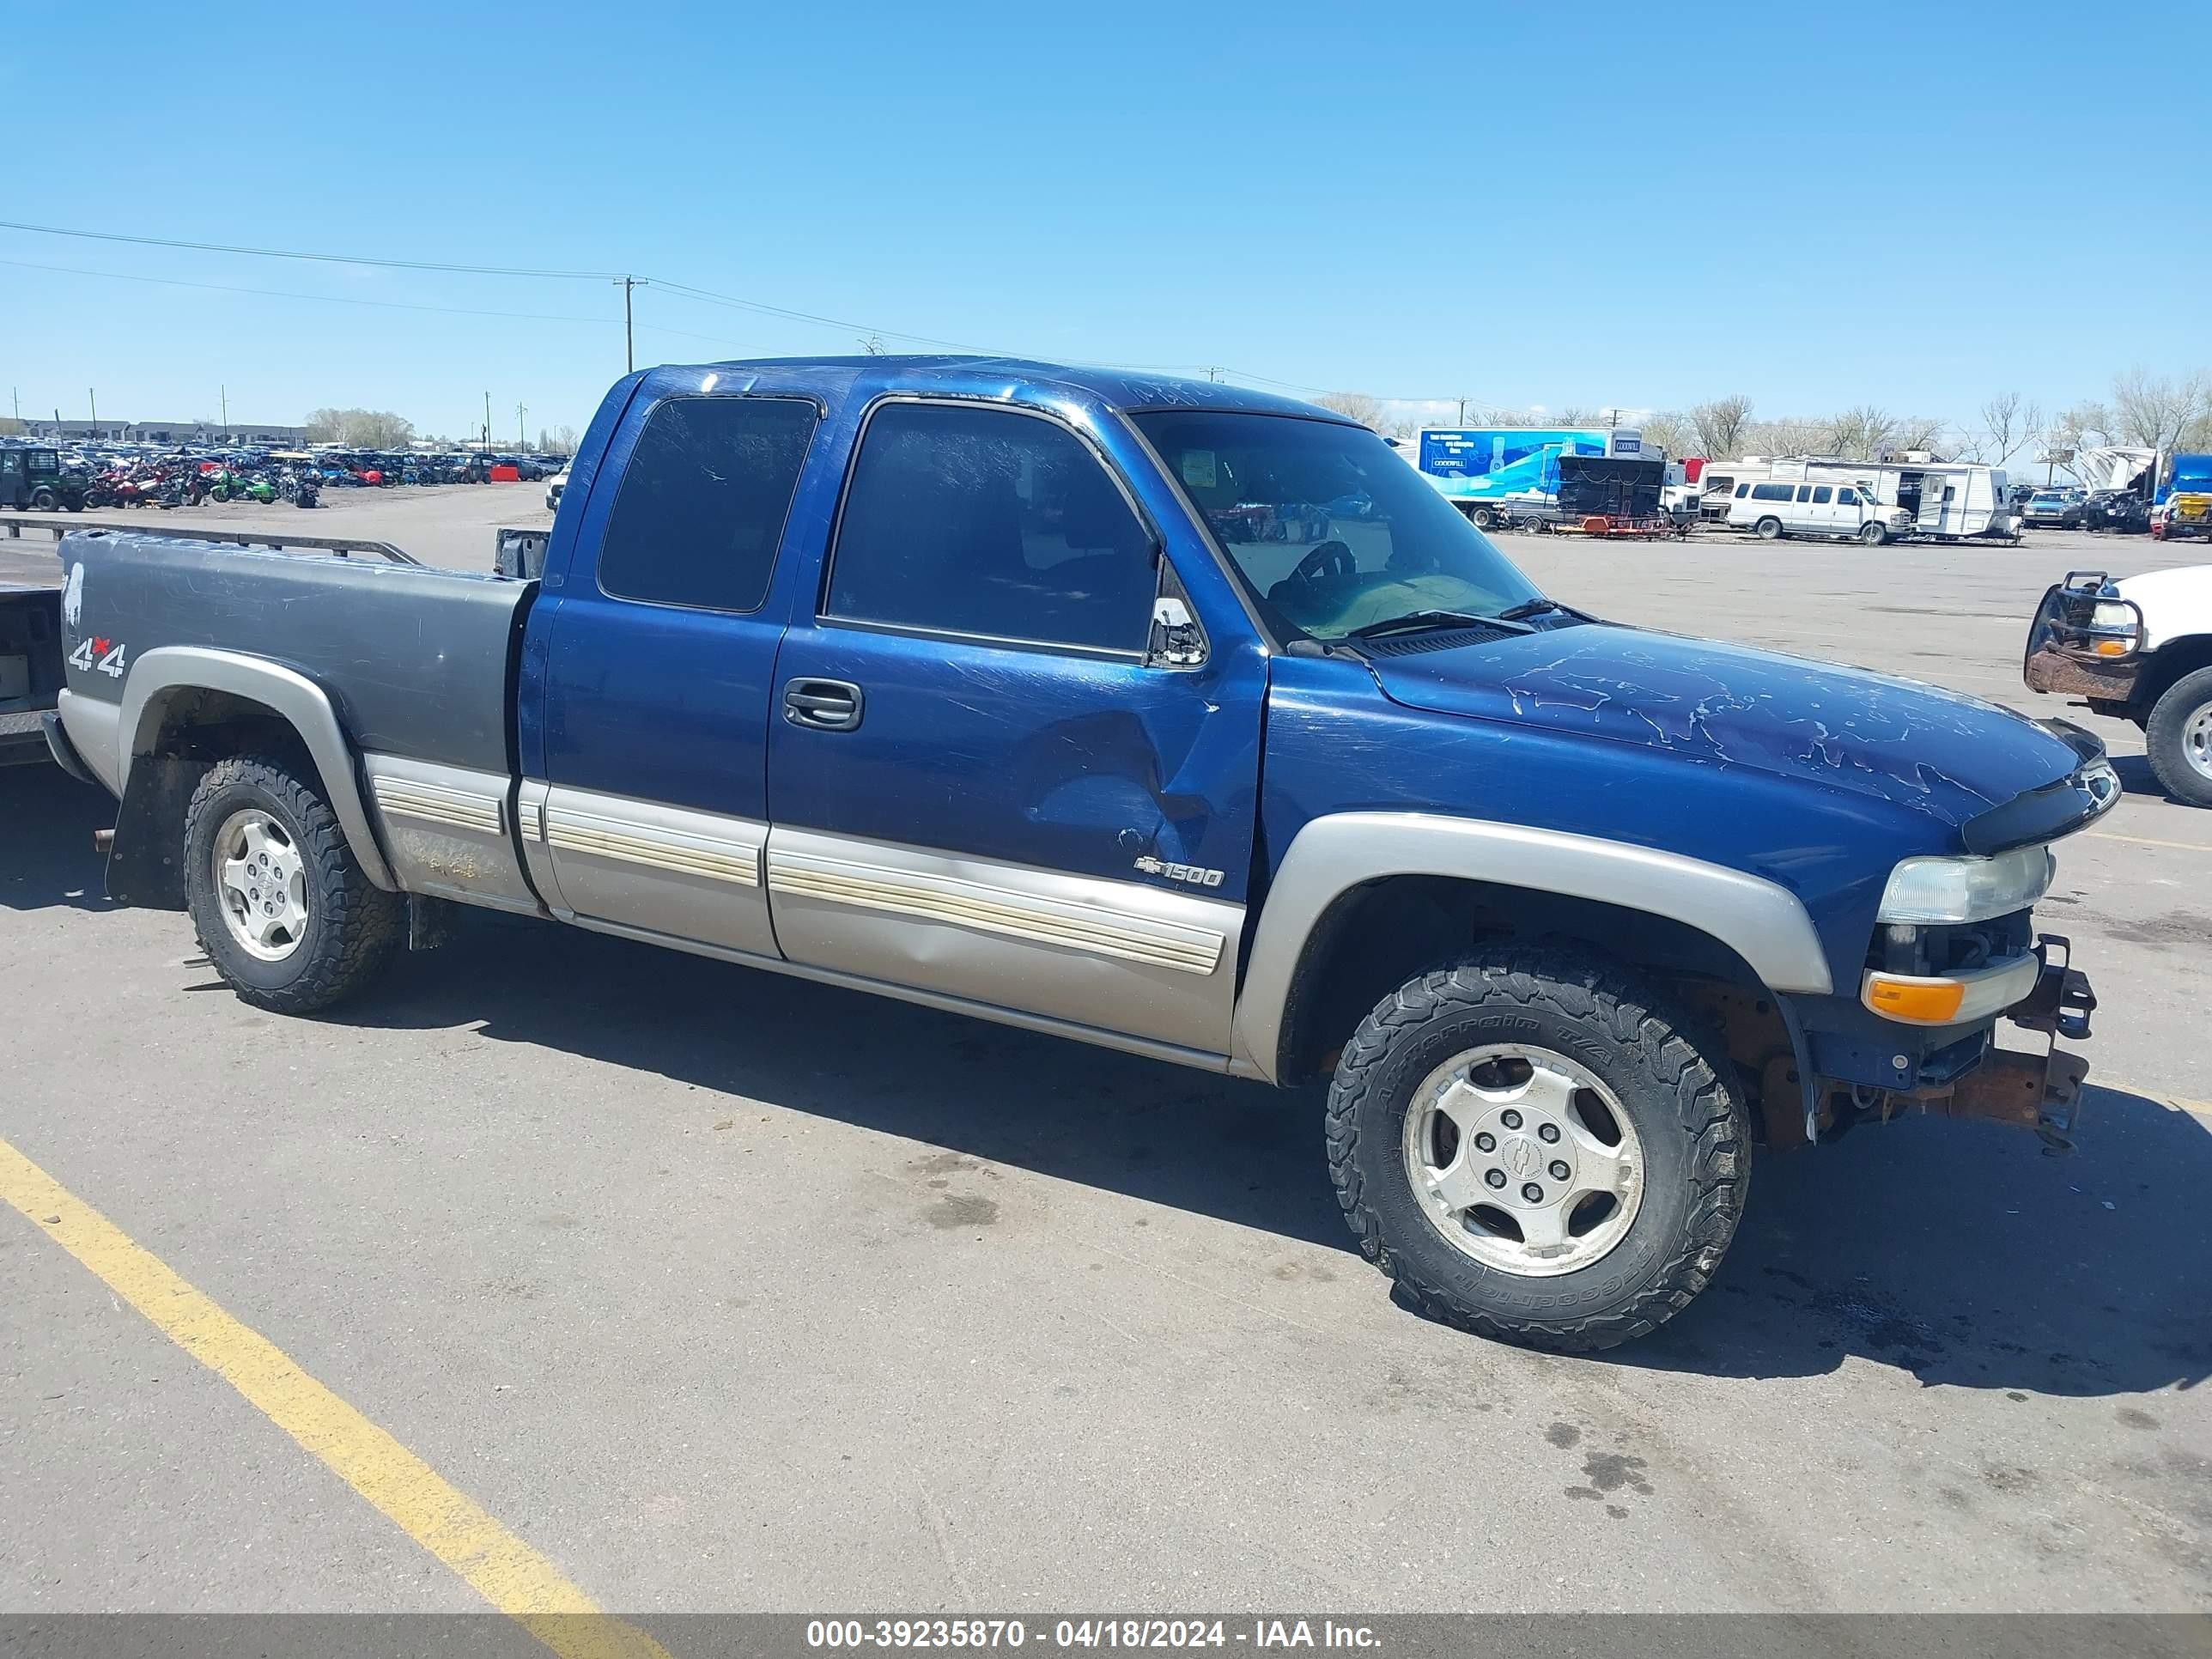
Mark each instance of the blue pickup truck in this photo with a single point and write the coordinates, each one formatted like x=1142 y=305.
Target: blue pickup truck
x=1007 y=689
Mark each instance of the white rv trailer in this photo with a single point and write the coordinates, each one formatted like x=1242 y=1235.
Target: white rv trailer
x=1941 y=500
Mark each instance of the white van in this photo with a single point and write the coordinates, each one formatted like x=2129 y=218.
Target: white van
x=1774 y=507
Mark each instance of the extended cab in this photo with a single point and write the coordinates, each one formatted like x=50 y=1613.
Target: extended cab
x=997 y=687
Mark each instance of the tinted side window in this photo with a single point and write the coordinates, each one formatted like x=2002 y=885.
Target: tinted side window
x=703 y=500
x=987 y=522
x=1820 y=496
x=1847 y=498
x=1743 y=489
x=1770 y=492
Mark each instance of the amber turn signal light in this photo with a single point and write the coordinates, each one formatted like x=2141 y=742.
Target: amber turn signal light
x=1917 y=1001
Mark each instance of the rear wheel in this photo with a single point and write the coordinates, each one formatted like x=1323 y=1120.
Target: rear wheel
x=44 y=499
x=1485 y=518
x=2178 y=736
x=1538 y=1149
x=281 y=905
x=1770 y=530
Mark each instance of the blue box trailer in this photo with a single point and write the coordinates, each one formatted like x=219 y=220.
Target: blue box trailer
x=1501 y=476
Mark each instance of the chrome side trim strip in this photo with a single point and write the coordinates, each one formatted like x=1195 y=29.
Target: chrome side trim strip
x=1098 y=1037
x=992 y=909
x=630 y=841
x=438 y=803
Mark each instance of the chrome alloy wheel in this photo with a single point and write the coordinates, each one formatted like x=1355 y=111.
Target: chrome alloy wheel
x=1523 y=1160
x=261 y=882
x=2196 y=741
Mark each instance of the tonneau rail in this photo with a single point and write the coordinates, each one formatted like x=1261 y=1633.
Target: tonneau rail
x=339 y=546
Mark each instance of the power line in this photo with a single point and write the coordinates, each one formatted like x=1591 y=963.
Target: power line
x=708 y=297
x=290 y=294
x=322 y=258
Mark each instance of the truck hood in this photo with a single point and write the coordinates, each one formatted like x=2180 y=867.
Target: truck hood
x=2175 y=604
x=1928 y=750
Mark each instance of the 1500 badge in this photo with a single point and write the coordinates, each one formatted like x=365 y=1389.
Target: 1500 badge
x=1187 y=873
x=109 y=654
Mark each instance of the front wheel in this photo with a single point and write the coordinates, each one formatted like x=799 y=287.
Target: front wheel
x=282 y=907
x=1770 y=530
x=1485 y=518
x=2178 y=737
x=44 y=500
x=1874 y=535
x=1538 y=1149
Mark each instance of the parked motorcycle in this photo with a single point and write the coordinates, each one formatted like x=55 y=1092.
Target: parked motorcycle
x=301 y=488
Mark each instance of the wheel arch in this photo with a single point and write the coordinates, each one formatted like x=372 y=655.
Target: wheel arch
x=1363 y=897
x=2172 y=662
x=184 y=706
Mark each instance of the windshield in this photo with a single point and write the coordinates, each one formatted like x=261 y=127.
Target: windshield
x=1331 y=529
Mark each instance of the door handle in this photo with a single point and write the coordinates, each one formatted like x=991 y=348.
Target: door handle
x=823 y=705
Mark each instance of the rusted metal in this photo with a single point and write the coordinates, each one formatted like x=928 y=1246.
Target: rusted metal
x=2073 y=672
x=2042 y=1092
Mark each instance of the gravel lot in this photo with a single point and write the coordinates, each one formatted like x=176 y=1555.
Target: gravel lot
x=727 y=1291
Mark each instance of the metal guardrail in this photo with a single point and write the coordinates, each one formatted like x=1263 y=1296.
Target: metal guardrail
x=341 y=546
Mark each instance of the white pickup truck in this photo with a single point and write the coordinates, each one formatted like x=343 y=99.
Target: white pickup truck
x=2139 y=648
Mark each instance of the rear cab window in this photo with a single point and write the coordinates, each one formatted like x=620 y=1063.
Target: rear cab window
x=701 y=509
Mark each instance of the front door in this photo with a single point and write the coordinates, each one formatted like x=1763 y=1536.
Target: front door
x=986 y=781
x=12 y=492
x=647 y=803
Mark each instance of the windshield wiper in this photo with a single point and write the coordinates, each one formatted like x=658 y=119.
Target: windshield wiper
x=1414 y=620
x=1528 y=608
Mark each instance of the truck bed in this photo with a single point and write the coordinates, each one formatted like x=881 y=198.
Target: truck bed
x=418 y=661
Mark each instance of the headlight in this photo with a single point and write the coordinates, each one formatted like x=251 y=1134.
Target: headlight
x=1936 y=891
x=2114 y=613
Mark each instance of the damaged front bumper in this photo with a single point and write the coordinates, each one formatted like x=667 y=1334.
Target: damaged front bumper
x=2085 y=641
x=2042 y=1092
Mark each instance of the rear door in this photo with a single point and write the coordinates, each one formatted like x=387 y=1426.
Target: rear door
x=651 y=813
x=985 y=783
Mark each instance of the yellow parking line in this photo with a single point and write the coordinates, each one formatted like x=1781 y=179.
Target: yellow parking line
x=2145 y=841
x=499 y=1566
x=2179 y=1103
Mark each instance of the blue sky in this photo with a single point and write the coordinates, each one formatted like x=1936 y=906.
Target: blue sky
x=1913 y=206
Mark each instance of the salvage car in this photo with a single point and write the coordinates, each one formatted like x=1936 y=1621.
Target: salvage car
x=2054 y=509
x=982 y=683
x=2138 y=648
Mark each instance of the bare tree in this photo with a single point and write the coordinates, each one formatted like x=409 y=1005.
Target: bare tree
x=2154 y=411
x=360 y=428
x=1915 y=432
x=872 y=344
x=1671 y=434
x=2010 y=423
x=559 y=440
x=1861 y=433
x=1358 y=406
x=1720 y=425
x=1788 y=435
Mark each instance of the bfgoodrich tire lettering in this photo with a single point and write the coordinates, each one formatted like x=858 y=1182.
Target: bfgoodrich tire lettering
x=1666 y=1077
x=351 y=926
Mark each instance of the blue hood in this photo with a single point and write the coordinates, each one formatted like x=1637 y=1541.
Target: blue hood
x=1926 y=750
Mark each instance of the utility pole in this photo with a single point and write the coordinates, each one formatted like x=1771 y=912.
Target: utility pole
x=520 y=441
x=92 y=398
x=1213 y=374
x=222 y=394
x=1462 y=411
x=487 y=442
x=629 y=336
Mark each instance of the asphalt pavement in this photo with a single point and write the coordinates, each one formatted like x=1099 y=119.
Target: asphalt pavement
x=725 y=1291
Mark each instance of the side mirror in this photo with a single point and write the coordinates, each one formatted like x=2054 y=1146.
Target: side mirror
x=1176 y=639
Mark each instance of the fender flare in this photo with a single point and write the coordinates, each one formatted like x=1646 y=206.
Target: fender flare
x=1761 y=922
x=159 y=674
